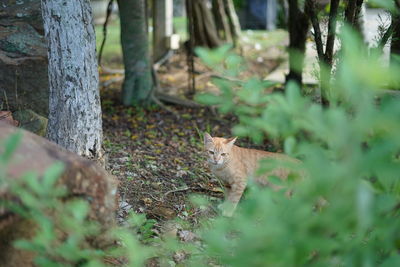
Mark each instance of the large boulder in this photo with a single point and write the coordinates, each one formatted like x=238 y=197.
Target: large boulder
x=83 y=178
x=23 y=57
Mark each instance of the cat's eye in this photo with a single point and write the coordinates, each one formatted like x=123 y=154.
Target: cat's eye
x=223 y=154
x=211 y=152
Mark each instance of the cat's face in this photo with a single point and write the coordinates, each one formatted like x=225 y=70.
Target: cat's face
x=217 y=149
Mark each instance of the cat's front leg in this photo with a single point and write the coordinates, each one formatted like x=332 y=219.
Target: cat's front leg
x=234 y=193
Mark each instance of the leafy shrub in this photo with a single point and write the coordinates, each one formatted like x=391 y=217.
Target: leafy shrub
x=345 y=213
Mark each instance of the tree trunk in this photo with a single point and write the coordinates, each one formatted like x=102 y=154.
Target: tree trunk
x=352 y=14
x=137 y=86
x=162 y=30
x=298 y=28
x=233 y=20
x=395 y=45
x=204 y=29
x=350 y=10
x=74 y=102
x=221 y=21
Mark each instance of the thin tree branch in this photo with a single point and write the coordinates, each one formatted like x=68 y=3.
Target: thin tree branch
x=103 y=42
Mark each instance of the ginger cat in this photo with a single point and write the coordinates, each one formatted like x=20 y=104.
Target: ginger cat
x=233 y=165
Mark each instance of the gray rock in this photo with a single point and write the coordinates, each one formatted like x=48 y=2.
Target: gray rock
x=82 y=178
x=187 y=236
x=23 y=57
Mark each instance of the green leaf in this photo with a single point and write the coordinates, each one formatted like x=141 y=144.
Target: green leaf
x=79 y=209
x=10 y=146
x=289 y=145
x=52 y=174
x=393 y=260
x=28 y=245
x=385 y=4
x=208 y=99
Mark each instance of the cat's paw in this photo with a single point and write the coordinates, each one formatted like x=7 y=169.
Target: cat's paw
x=227 y=209
x=221 y=207
x=227 y=213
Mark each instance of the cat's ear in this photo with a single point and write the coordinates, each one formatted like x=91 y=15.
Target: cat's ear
x=230 y=141
x=208 y=139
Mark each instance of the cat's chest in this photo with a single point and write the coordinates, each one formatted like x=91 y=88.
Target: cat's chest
x=226 y=175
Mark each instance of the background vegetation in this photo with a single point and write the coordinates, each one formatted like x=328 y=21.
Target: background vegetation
x=343 y=212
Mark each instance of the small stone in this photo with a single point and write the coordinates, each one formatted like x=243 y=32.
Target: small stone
x=164 y=212
x=170 y=229
x=124 y=159
x=116 y=167
x=181 y=173
x=179 y=256
x=147 y=201
x=125 y=206
x=187 y=236
x=156 y=185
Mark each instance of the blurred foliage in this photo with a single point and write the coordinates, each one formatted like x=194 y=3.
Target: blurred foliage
x=239 y=3
x=62 y=228
x=386 y=4
x=345 y=212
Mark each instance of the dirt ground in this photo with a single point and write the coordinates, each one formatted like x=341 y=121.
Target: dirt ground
x=158 y=157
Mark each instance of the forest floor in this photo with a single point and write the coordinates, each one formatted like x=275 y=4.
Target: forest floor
x=157 y=156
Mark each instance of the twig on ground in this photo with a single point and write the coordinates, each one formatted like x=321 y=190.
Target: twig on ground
x=111 y=81
x=158 y=102
x=153 y=197
x=156 y=89
x=177 y=190
x=163 y=59
x=112 y=71
x=177 y=100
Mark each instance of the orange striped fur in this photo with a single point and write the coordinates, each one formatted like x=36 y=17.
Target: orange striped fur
x=233 y=165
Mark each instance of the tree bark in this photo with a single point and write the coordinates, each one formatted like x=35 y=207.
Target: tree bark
x=352 y=13
x=331 y=32
x=204 y=29
x=221 y=20
x=233 y=20
x=162 y=30
x=138 y=85
x=298 y=28
x=74 y=102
